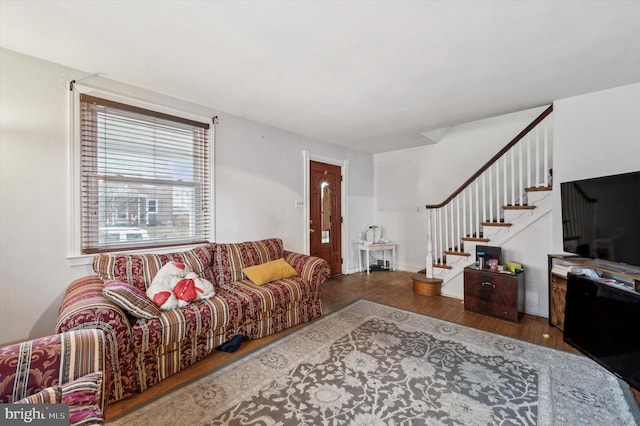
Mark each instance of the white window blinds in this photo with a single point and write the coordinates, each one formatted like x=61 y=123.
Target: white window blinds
x=144 y=177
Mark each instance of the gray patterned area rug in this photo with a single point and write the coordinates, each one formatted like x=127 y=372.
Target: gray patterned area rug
x=371 y=364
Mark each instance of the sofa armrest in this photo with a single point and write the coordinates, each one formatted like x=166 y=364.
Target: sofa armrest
x=313 y=269
x=84 y=306
x=29 y=367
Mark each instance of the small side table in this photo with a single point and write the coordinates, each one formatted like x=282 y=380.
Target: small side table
x=367 y=248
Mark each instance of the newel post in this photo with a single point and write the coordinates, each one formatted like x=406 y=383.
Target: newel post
x=429 y=269
x=426 y=285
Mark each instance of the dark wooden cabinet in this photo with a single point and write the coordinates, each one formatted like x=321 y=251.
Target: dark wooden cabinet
x=496 y=294
x=558 y=294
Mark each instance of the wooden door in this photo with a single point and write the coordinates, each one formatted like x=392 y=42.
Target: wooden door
x=325 y=214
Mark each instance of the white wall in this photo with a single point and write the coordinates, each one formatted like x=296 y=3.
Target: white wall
x=407 y=180
x=33 y=194
x=596 y=134
x=530 y=247
x=360 y=204
x=258 y=178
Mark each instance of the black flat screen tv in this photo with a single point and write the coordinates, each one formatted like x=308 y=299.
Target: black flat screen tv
x=603 y=321
x=601 y=218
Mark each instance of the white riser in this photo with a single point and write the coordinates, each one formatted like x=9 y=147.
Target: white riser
x=492 y=232
x=453 y=260
x=537 y=198
x=512 y=216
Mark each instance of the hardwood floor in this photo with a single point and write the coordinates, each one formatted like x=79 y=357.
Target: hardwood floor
x=390 y=288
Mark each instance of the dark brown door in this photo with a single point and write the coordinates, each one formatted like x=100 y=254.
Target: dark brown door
x=325 y=214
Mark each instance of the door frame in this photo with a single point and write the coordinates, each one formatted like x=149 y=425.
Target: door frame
x=344 y=170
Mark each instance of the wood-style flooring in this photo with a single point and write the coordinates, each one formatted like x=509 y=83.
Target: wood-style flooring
x=390 y=288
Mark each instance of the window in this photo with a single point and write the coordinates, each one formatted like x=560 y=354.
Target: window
x=152 y=206
x=144 y=177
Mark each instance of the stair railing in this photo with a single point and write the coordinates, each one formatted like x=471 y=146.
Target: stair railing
x=525 y=162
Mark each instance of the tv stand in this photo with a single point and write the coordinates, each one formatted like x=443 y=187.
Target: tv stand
x=602 y=322
x=619 y=268
x=627 y=277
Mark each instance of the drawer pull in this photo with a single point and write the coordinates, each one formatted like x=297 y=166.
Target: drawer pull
x=487 y=283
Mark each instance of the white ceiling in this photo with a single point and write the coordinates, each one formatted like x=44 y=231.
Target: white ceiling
x=371 y=75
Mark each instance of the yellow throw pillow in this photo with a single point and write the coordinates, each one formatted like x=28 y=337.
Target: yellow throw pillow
x=269 y=271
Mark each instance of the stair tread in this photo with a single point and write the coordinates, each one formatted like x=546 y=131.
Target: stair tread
x=523 y=207
x=505 y=224
x=483 y=240
x=538 y=188
x=457 y=253
x=440 y=265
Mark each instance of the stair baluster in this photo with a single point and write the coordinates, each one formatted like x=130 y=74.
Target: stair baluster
x=481 y=201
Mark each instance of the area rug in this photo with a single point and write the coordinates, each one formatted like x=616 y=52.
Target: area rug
x=371 y=364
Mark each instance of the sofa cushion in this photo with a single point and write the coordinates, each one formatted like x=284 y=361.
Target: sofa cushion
x=83 y=396
x=50 y=395
x=269 y=271
x=133 y=301
x=218 y=312
x=230 y=259
x=139 y=269
x=234 y=304
x=274 y=294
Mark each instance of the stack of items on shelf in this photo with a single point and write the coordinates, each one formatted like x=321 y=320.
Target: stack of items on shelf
x=564 y=269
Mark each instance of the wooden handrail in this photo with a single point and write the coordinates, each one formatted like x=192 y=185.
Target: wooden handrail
x=495 y=158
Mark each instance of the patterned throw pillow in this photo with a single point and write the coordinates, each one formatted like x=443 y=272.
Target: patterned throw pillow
x=50 y=395
x=83 y=397
x=132 y=300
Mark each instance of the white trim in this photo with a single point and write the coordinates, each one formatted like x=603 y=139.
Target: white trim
x=344 y=170
x=212 y=180
x=137 y=102
x=305 y=194
x=73 y=247
x=87 y=259
x=345 y=217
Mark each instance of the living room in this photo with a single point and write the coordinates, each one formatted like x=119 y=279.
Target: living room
x=259 y=168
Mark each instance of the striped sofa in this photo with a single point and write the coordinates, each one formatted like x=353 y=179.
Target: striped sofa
x=62 y=368
x=142 y=352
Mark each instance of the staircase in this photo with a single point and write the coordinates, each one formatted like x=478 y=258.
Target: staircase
x=505 y=196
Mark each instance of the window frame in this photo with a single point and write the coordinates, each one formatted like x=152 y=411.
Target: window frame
x=147 y=101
